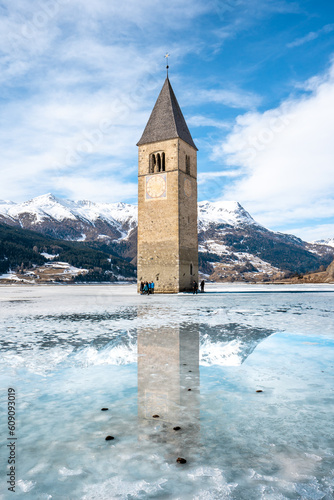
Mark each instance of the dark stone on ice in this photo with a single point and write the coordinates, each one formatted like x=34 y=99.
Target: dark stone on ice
x=181 y=460
x=104 y=409
x=155 y=416
x=189 y=389
x=177 y=428
x=109 y=438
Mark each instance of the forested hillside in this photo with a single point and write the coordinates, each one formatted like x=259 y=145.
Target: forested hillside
x=21 y=248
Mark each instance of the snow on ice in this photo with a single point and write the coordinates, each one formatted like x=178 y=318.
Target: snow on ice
x=71 y=350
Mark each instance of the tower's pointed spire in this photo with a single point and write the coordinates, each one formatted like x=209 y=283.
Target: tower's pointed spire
x=166 y=120
x=167 y=66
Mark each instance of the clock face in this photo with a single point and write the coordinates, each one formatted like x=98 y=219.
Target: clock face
x=187 y=187
x=156 y=187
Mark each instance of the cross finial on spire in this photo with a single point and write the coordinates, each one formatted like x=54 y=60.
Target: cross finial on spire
x=167 y=56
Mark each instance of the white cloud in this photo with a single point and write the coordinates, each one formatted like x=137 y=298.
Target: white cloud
x=232 y=97
x=204 y=177
x=237 y=16
x=287 y=156
x=314 y=233
x=320 y=209
x=78 y=77
x=65 y=134
x=205 y=121
x=313 y=35
x=101 y=189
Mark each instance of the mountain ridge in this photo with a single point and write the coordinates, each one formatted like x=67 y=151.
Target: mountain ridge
x=232 y=245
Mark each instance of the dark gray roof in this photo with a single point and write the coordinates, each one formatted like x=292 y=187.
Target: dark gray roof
x=166 y=120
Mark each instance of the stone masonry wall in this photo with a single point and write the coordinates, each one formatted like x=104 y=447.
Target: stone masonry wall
x=167 y=225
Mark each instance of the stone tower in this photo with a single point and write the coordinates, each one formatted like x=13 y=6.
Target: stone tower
x=167 y=199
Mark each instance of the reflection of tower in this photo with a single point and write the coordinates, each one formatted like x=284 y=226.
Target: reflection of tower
x=168 y=366
x=167 y=198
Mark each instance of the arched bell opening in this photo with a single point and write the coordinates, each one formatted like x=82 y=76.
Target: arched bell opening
x=153 y=162
x=157 y=162
x=187 y=165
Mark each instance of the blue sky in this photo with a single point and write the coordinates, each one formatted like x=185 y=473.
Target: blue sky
x=255 y=81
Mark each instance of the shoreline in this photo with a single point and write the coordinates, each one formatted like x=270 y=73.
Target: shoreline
x=134 y=283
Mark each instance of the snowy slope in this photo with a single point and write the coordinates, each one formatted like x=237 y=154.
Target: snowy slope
x=121 y=216
x=48 y=206
x=329 y=242
x=81 y=219
x=109 y=212
x=223 y=212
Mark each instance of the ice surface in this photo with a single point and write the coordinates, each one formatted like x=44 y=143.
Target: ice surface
x=71 y=350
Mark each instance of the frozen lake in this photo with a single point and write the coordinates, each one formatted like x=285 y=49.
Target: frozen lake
x=194 y=362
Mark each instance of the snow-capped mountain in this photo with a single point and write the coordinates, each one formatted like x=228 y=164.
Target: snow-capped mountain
x=232 y=245
x=328 y=241
x=41 y=212
x=222 y=212
x=71 y=220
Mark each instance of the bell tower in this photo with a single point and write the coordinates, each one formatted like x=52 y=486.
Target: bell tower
x=167 y=199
